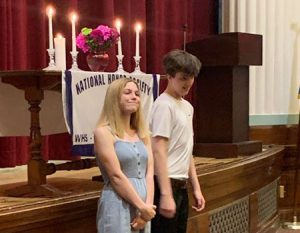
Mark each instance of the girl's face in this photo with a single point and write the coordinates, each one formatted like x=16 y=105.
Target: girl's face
x=130 y=98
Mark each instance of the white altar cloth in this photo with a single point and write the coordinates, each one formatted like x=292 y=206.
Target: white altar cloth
x=15 y=116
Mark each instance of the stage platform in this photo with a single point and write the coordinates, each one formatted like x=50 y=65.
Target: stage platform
x=241 y=195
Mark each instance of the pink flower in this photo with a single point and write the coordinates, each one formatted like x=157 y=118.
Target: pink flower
x=95 y=40
x=81 y=43
x=98 y=36
x=114 y=34
x=105 y=30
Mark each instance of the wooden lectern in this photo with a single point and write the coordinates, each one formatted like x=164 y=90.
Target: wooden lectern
x=221 y=120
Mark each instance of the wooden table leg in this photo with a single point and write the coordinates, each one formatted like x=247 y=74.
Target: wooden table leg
x=36 y=169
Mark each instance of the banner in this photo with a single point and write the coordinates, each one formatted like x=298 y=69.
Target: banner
x=83 y=98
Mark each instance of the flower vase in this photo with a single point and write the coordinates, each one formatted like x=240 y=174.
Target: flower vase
x=97 y=61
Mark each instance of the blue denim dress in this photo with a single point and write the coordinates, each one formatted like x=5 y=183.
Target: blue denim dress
x=115 y=214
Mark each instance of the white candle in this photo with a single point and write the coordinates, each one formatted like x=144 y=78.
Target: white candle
x=73 y=20
x=138 y=28
x=60 y=52
x=50 y=14
x=118 y=26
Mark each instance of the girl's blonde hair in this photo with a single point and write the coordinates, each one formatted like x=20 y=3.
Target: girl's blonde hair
x=111 y=112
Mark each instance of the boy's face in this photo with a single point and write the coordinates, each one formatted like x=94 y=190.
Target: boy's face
x=181 y=83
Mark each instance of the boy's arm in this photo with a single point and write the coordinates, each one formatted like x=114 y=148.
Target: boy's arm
x=199 y=203
x=167 y=206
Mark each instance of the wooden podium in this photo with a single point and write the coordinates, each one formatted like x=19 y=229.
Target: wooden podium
x=221 y=120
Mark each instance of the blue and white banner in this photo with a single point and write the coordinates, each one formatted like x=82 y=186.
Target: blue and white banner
x=83 y=96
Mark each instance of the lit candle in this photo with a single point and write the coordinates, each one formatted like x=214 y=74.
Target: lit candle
x=138 y=28
x=118 y=26
x=50 y=14
x=73 y=20
x=60 y=51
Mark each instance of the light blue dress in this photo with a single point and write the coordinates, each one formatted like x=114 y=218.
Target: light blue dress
x=114 y=214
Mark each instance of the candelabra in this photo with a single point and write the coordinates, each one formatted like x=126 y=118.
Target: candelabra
x=51 y=65
x=120 y=64
x=137 y=69
x=74 y=66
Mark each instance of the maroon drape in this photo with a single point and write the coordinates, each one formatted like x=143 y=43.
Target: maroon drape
x=24 y=40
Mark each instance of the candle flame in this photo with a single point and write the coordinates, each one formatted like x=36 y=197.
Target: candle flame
x=73 y=17
x=58 y=35
x=50 y=10
x=138 y=27
x=118 y=23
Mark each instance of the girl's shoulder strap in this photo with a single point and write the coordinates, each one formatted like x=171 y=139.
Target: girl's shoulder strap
x=111 y=131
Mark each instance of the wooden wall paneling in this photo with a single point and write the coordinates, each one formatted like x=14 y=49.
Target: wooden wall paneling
x=198 y=224
x=56 y=215
x=282 y=135
x=270 y=227
x=274 y=134
x=238 y=181
x=253 y=210
x=287 y=180
x=224 y=184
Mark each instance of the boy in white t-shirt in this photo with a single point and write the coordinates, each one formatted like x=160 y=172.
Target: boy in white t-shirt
x=172 y=143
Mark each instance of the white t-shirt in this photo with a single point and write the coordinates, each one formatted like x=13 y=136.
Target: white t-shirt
x=173 y=119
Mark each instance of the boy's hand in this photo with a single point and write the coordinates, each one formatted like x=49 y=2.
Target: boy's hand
x=199 y=201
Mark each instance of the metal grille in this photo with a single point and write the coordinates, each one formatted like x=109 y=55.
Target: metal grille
x=267 y=201
x=233 y=218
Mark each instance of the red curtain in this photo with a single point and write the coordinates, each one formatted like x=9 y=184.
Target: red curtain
x=24 y=35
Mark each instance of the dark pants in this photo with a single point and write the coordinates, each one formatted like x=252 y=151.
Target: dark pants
x=160 y=224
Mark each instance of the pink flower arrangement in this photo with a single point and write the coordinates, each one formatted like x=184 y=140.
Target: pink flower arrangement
x=96 y=40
